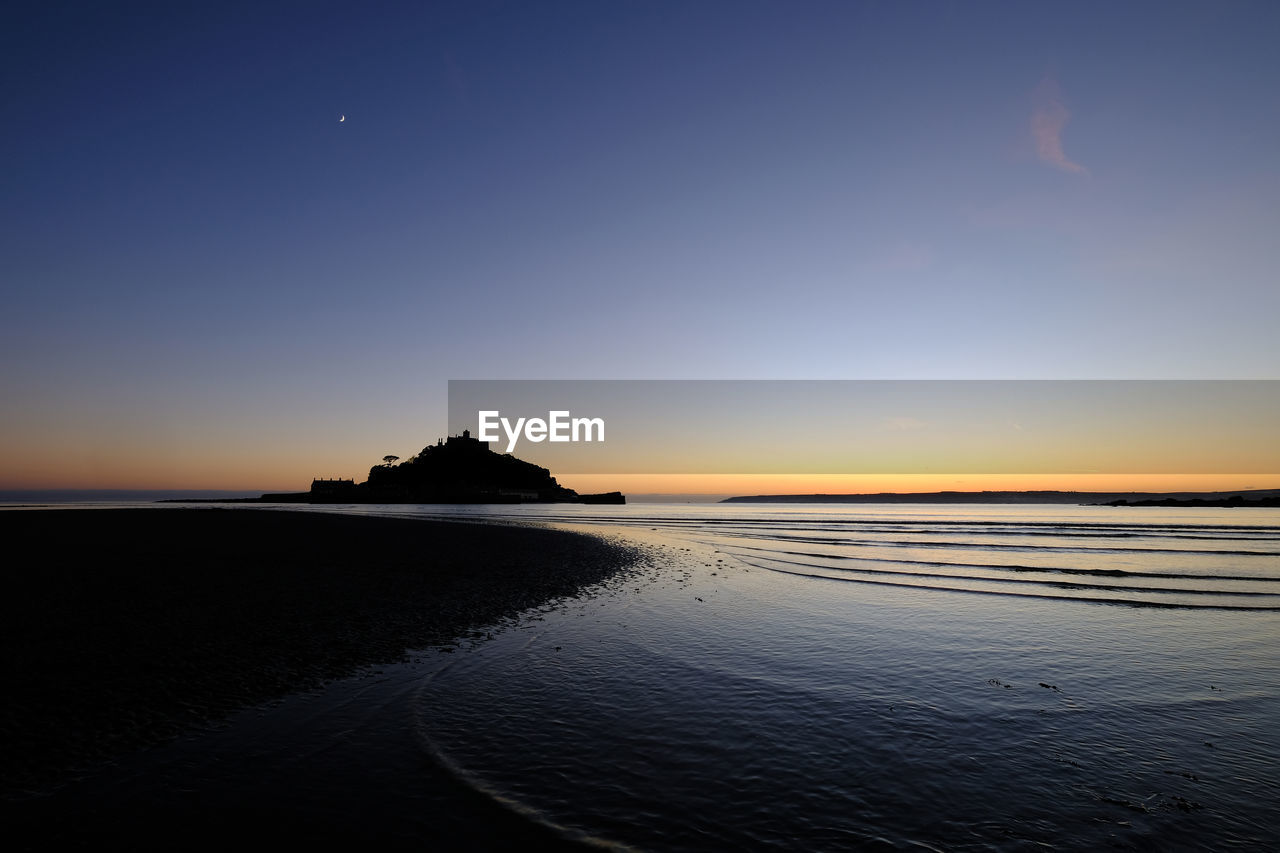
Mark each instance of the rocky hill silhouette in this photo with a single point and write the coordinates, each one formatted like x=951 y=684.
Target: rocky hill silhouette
x=460 y=469
x=464 y=470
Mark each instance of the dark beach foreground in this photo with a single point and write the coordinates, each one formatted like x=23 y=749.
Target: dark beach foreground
x=130 y=627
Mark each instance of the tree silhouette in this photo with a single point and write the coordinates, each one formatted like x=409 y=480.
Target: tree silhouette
x=388 y=459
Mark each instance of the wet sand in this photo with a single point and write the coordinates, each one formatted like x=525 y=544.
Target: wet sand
x=130 y=627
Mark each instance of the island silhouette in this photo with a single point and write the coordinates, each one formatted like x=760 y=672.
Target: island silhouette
x=460 y=469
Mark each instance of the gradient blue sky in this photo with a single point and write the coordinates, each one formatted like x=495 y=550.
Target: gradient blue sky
x=201 y=263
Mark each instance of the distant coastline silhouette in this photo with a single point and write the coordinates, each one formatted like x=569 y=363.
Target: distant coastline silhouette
x=1254 y=497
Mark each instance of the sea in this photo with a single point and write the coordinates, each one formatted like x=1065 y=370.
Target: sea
x=939 y=677
x=866 y=677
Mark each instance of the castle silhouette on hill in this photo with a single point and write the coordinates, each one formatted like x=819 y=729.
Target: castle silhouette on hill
x=461 y=469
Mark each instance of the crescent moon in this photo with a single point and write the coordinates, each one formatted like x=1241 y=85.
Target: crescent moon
x=342 y=118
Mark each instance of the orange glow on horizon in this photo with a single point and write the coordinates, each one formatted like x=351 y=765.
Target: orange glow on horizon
x=288 y=465
x=226 y=468
x=232 y=471
x=804 y=484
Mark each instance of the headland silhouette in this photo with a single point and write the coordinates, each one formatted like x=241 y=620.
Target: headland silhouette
x=1253 y=497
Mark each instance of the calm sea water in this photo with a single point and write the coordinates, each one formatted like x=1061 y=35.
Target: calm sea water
x=826 y=678
x=888 y=677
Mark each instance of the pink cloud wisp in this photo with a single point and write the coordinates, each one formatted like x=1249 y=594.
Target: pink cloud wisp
x=1049 y=116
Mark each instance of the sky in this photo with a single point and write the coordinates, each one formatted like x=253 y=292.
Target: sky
x=210 y=281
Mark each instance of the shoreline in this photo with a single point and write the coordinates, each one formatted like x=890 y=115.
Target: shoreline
x=135 y=626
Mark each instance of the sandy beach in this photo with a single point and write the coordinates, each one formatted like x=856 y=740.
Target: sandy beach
x=130 y=627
